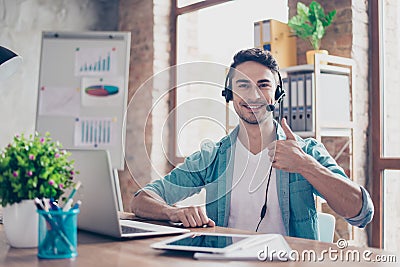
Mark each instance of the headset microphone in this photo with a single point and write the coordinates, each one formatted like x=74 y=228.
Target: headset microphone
x=271 y=107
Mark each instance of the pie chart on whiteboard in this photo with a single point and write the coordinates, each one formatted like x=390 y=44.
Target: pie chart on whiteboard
x=101 y=90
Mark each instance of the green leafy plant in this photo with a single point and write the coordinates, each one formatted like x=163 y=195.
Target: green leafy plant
x=34 y=167
x=310 y=22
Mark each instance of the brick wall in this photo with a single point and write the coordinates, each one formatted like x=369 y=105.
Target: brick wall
x=338 y=36
x=137 y=17
x=147 y=134
x=162 y=52
x=347 y=37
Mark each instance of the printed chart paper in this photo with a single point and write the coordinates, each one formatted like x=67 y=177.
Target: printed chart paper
x=59 y=101
x=102 y=91
x=95 y=61
x=95 y=132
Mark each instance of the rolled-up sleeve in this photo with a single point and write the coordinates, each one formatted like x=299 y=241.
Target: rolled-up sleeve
x=367 y=211
x=319 y=152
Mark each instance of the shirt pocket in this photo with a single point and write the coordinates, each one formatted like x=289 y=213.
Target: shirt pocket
x=302 y=204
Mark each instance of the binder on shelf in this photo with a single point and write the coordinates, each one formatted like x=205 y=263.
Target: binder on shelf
x=301 y=124
x=276 y=37
x=276 y=112
x=286 y=101
x=309 y=104
x=293 y=103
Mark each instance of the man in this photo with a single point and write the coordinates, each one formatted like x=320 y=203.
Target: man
x=262 y=176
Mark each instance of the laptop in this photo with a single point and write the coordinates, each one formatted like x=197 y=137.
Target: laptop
x=98 y=212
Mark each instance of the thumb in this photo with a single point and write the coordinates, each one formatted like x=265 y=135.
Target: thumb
x=211 y=223
x=288 y=132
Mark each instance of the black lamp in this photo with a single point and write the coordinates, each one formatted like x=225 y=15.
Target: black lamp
x=9 y=62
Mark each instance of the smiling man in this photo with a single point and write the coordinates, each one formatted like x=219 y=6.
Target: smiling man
x=261 y=177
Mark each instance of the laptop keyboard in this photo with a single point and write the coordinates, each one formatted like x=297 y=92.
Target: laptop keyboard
x=132 y=230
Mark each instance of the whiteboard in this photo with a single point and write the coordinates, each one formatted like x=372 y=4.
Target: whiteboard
x=83 y=90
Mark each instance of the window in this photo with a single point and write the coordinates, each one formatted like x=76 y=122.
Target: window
x=385 y=121
x=391 y=220
x=182 y=3
x=211 y=31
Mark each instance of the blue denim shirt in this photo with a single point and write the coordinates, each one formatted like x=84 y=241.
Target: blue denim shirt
x=212 y=168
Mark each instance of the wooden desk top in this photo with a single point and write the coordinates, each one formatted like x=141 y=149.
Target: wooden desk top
x=102 y=251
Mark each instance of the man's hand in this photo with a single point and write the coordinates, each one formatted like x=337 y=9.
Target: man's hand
x=286 y=154
x=193 y=216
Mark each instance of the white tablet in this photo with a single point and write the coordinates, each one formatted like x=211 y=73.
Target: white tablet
x=205 y=242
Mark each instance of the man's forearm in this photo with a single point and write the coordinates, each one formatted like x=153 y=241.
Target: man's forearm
x=343 y=195
x=148 y=204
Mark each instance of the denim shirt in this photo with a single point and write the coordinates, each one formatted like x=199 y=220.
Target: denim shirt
x=212 y=168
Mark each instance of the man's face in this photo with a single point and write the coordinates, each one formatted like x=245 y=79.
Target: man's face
x=253 y=87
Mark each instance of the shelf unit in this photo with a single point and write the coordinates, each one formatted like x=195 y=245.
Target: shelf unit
x=328 y=129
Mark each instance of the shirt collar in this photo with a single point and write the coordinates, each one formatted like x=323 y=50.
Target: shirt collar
x=230 y=139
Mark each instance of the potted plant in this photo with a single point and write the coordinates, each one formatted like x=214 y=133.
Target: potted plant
x=310 y=24
x=30 y=167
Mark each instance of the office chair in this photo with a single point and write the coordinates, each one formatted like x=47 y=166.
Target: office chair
x=326 y=227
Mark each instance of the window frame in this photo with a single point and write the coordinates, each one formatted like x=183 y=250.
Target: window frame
x=379 y=162
x=175 y=12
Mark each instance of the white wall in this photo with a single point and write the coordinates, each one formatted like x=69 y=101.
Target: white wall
x=21 y=24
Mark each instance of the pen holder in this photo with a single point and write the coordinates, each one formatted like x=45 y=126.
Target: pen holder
x=57 y=234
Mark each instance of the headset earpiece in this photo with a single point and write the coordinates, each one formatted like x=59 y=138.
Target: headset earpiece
x=280 y=91
x=227 y=92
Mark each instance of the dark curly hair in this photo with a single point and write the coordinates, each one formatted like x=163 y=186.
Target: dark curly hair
x=255 y=54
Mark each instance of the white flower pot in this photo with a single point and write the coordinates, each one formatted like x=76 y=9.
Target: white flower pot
x=21 y=224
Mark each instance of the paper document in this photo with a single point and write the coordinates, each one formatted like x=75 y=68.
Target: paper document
x=273 y=248
x=59 y=101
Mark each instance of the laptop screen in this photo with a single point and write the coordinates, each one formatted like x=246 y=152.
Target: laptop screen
x=98 y=212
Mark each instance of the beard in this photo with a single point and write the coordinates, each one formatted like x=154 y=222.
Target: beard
x=250 y=117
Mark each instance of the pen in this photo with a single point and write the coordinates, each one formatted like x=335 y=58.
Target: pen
x=68 y=204
x=45 y=204
x=39 y=204
x=53 y=204
x=77 y=204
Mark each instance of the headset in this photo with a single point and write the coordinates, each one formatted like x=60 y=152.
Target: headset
x=279 y=95
x=279 y=92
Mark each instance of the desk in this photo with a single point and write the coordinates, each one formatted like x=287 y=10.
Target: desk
x=102 y=251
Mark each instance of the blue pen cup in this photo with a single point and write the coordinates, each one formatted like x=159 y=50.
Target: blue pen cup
x=58 y=234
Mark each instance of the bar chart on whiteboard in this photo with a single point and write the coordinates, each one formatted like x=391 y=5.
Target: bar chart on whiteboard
x=95 y=132
x=95 y=61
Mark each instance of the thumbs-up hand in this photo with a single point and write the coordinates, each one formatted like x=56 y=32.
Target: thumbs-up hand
x=288 y=132
x=286 y=154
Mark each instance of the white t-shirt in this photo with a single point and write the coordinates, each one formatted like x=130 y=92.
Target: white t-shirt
x=250 y=175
